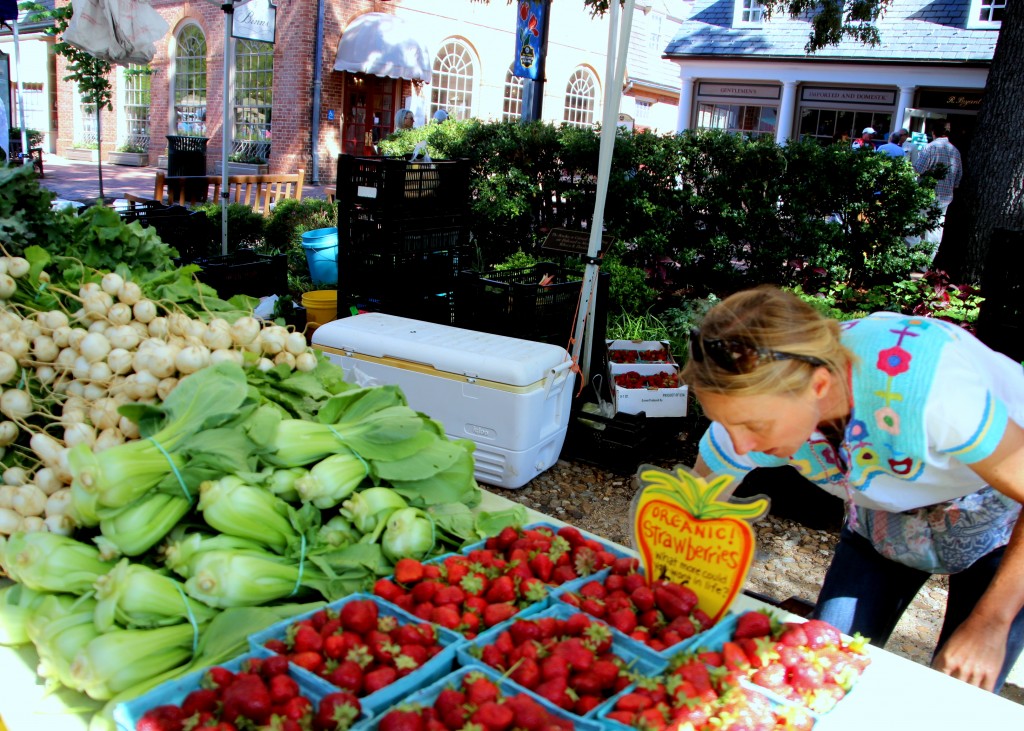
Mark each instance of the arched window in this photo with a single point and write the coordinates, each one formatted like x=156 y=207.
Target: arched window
x=580 y=98
x=190 y=82
x=451 y=87
x=134 y=135
x=512 y=106
x=254 y=86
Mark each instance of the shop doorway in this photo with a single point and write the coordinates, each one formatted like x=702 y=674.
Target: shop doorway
x=369 y=113
x=962 y=126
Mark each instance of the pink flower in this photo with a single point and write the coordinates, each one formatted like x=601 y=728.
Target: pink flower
x=893 y=361
x=888 y=420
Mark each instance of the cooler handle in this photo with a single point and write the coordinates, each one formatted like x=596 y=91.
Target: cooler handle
x=553 y=377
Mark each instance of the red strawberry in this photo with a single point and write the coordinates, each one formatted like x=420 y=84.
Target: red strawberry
x=282 y=689
x=162 y=718
x=425 y=591
x=348 y=675
x=446 y=616
x=624 y=565
x=734 y=656
x=449 y=595
x=311 y=661
x=479 y=689
x=542 y=566
x=821 y=634
x=771 y=676
x=563 y=574
x=502 y=589
x=246 y=697
x=306 y=639
x=624 y=620
x=529 y=714
x=554 y=666
x=297 y=709
x=805 y=677
x=634 y=702
x=526 y=673
x=359 y=615
x=493 y=716
x=593 y=590
x=752 y=624
x=556 y=691
x=408 y=571
x=202 y=699
x=497 y=613
x=377 y=679
x=793 y=635
x=387 y=589
x=337 y=712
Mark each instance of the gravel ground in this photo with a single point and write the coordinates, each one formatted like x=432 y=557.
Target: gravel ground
x=791 y=558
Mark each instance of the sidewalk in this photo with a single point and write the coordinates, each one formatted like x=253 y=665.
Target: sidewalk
x=78 y=181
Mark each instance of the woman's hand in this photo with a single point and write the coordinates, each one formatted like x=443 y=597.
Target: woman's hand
x=974 y=653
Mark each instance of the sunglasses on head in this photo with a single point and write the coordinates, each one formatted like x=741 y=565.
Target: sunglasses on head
x=736 y=356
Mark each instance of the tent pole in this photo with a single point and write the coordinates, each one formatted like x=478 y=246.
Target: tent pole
x=615 y=71
x=21 y=89
x=229 y=10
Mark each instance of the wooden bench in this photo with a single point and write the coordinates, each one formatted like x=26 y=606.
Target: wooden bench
x=35 y=154
x=331 y=192
x=260 y=192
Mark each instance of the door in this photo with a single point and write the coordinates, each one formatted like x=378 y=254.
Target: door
x=369 y=113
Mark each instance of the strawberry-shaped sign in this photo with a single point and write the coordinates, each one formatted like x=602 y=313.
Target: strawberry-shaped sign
x=687 y=530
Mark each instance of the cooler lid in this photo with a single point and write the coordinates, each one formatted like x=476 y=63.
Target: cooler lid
x=450 y=349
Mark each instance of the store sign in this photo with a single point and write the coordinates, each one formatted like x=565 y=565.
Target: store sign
x=876 y=97
x=568 y=241
x=255 y=20
x=530 y=20
x=743 y=91
x=688 y=531
x=950 y=99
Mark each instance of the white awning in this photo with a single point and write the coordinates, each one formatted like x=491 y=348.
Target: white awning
x=383 y=45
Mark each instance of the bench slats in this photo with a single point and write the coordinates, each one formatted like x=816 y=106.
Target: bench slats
x=259 y=192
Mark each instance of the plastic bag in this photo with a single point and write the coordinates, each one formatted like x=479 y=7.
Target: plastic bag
x=118 y=31
x=420 y=149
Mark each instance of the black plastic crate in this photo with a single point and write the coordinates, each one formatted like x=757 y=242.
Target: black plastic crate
x=437 y=307
x=532 y=303
x=618 y=443
x=187 y=231
x=423 y=234
x=398 y=184
x=245 y=272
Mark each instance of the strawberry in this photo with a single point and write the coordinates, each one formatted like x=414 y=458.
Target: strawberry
x=530 y=715
x=387 y=589
x=201 y=699
x=377 y=679
x=311 y=661
x=402 y=720
x=771 y=676
x=449 y=595
x=162 y=718
x=793 y=635
x=337 y=712
x=821 y=634
x=734 y=656
x=298 y=708
x=479 y=689
x=497 y=613
x=593 y=607
x=425 y=591
x=502 y=589
x=542 y=566
x=359 y=615
x=347 y=675
x=493 y=716
x=624 y=620
x=563 y=574
x=556 y=691
x=805 y=677
x=624 y=565
x=246 y=697
x=526 y=672
x=752 y=624
x=282 y=689
x=554 y=666
x=408 y=571
x=306 y=639
x=446 y=616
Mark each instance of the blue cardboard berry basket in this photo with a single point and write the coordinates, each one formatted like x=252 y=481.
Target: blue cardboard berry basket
x=173 y=692
x=436 y=667
x=639 y=648
x=643 y=665
x=426 y=697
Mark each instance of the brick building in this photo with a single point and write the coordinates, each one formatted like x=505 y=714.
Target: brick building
x=425 y=55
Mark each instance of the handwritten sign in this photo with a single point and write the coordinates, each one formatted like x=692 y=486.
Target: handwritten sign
x=688 y=531
x=572 y=242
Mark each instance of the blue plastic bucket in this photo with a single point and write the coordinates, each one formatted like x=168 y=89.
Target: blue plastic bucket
x=321 y=247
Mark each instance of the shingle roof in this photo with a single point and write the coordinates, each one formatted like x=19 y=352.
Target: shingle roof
x=912 y=30
x=644 y=62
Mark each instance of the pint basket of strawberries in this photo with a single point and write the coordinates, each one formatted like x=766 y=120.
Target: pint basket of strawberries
x=565 y=658
x=247 y=692
x=363 y=646
x=809 y=663
x=660 y=618
x=471 y=697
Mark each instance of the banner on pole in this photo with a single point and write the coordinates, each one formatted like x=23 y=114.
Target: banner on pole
x=255 y=20
x=530 y=20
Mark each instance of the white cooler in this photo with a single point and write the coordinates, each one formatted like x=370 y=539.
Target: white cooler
x=510 y=396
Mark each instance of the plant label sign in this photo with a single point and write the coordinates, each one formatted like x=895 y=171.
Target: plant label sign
x=688 y=531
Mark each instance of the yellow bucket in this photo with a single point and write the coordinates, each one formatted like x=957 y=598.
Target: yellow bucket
x=321 y=307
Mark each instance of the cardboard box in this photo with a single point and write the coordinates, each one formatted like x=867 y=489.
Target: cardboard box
x=641 y=345
x=655 y=402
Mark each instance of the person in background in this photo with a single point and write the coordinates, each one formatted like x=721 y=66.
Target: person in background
x=404 y=119
x=440 y=116
x=912 y=421
x=892 y=148
x=940 y=151
x=864 y=141
x=910 y=150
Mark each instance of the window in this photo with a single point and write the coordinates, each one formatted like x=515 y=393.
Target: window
x=451 y=87
x=190 y=82
x=85 y=124
x=134 y=135
x=34 y=98
x=747 y=120
x=986 y=13
x=254 y=84
x=831 y=125
x=643 y=113
x=654 y=23
x=748 y=12
x=580 y=98
x=512 y=105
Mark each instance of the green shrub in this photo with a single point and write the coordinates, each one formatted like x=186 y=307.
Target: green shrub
x=245 y=229
x=288 y=221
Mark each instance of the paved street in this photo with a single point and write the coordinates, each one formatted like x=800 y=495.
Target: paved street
x=75 y=180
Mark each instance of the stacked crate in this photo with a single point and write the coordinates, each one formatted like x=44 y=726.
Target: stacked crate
x=402 y=235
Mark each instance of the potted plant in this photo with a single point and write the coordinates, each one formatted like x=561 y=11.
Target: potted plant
x=132 y=154
x=84 y=151
x=249 y=158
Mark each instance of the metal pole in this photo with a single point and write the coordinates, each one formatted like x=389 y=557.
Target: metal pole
x=229 y=11
x=21 y=98
x=614 y=74
x=317 y=86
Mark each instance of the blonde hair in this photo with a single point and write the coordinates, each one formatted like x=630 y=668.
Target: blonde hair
x=767 y=317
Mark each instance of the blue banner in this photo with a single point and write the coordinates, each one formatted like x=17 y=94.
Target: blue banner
x=530 y=20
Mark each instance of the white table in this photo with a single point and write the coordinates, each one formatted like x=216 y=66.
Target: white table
x=894 y=693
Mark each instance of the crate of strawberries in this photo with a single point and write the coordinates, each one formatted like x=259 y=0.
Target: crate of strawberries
x=644 y=378
x=468 y=698
x=247 y=692
x=660 y=618
x=565 y=658
x=363 y=646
